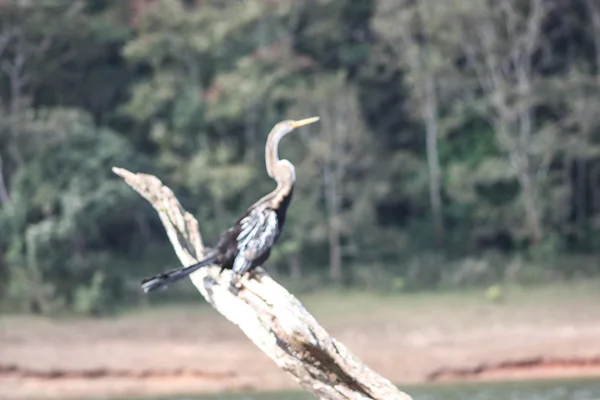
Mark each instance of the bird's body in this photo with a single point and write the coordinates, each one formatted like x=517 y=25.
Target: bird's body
x=248 y=242
x=253 y=234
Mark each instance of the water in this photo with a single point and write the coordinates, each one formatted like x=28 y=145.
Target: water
x=545 y=390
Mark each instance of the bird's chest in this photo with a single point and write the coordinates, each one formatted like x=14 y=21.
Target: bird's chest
x=281 y=209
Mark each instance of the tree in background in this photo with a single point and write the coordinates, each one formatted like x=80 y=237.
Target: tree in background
x=425 y=48
x=500 y=42
x=342 y=154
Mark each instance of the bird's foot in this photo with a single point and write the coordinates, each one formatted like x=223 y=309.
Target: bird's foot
x=235 y=286
x=235 y=290
x=254 y=274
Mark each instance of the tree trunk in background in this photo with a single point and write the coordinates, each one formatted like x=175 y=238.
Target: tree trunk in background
x=523 y=71
x=580 y=202
x=335 y=117
x=4 y=197
x=433 y=162
x=335 y=253
x=594 y=11
x=595 y=186
x=529 y=188
x=521 y=162
x=530 y=201
x=15 y=71
x=335 y=250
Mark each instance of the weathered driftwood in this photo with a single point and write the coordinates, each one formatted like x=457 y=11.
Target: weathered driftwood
x=268 y=314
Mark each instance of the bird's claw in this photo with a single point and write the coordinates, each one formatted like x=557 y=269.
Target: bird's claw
x=235 y=285
x=234 y=290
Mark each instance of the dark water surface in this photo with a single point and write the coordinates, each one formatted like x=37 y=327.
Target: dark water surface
x=540 y=390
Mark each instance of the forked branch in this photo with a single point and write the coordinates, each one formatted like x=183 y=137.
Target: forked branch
x=271 y=317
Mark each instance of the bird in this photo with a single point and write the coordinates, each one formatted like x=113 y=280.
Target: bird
x=248 y=242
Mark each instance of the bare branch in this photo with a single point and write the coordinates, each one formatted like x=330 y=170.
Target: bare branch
x=272 y=318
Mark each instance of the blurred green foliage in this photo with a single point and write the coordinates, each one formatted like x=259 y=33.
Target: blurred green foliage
x=188 y=90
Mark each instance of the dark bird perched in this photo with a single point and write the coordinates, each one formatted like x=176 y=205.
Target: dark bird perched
x=247 y=244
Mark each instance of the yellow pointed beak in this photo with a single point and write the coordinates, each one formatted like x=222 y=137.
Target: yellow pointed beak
x=305 y=121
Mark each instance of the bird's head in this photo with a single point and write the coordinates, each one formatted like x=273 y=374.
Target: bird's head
x=285 y=127
x=278 y=132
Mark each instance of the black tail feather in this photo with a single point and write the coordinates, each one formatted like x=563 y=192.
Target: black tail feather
x=164 y=278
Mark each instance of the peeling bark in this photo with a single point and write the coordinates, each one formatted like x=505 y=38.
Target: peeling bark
x=272 y=318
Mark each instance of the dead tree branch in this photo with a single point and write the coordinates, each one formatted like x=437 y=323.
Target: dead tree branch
x=271 y=317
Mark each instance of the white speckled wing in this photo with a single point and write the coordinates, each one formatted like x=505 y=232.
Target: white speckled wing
x=258 y=233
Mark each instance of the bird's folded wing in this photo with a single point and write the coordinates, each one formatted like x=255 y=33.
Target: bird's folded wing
x=258 y=233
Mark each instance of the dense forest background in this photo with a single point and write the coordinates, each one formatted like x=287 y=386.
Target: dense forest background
x=459 y=141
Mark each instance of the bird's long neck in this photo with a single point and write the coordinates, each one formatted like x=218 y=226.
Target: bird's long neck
x=282 y=171
x=272 y=151
x=285 y=177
